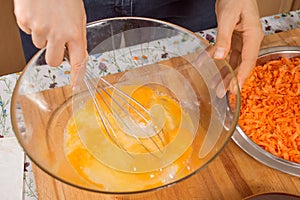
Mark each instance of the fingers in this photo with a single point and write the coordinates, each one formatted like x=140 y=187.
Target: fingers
x=65 y=28
x=251 y=46
x=24 y=28
x=227 y=20
x=238 y=17
x=22 y=17
x=235 y=58
x=78 y=59
x=252 y=37
x=39 y=40
x=54 y=52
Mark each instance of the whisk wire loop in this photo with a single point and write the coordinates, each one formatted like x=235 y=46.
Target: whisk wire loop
x=99 y=87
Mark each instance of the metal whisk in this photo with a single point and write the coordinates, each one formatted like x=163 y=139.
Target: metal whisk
x=116 y=108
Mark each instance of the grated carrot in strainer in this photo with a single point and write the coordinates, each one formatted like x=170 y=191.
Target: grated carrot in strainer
x=270 y=107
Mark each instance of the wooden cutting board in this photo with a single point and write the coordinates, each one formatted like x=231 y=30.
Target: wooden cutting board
x=232 y=175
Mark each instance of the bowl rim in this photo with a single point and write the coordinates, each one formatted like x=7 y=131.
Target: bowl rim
x=264 y=195
x=44 y=169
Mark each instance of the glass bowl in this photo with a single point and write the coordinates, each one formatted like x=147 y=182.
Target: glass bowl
x=58 y=127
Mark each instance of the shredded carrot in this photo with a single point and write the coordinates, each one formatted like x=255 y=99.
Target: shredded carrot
x=270 y=107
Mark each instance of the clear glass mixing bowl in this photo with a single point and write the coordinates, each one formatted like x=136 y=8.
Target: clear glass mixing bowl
x=127 y=52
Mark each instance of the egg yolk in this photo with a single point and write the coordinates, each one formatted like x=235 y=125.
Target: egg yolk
x=85 y=154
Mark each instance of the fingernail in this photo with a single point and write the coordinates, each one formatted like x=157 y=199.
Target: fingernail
x=233 y=87
x=219 y=53
x=220 y=91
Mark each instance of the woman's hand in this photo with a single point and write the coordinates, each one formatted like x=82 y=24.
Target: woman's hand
x=56 y=25
x=239 y=34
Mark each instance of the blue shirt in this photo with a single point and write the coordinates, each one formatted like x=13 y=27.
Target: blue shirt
x=195 y=15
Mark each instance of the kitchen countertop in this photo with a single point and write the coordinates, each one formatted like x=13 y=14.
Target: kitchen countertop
x=232 y=175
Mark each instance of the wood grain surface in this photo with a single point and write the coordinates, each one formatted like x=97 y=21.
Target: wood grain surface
x=231 y=175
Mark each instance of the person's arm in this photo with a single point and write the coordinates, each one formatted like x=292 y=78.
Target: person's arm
x=239 y=33
x=56 y=25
